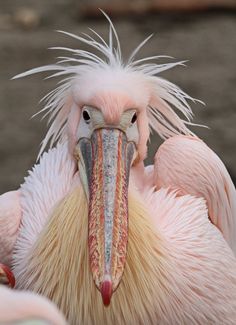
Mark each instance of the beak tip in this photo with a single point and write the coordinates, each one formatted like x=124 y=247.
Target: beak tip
x=106 y=291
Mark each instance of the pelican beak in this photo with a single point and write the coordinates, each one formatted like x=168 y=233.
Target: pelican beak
x=106 y=159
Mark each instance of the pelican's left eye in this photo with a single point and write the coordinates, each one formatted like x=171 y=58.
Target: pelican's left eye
x=86 y=116
x=134 y=118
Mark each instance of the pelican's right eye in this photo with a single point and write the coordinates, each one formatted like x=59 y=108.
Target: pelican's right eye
x=86 y=116
x=134 y=118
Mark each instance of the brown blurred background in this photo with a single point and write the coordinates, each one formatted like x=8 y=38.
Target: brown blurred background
x=201 y=31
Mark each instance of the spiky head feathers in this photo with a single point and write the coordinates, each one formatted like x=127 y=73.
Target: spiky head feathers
x=105 y=81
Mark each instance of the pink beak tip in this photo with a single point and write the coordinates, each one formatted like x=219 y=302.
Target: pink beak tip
x=106 y=292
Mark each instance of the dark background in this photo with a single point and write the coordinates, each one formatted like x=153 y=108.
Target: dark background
x=205 y=35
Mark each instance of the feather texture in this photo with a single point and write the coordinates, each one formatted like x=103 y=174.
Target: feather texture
x=10 y=218
x=87 y=75
x=175 y=278
x=46 y=185
x=188 y=166
x=27 y=308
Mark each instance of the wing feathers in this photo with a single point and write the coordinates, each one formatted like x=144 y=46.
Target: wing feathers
x=188 y=165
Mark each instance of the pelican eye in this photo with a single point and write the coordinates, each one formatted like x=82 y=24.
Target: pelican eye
x=86 y=116
x=134 y=118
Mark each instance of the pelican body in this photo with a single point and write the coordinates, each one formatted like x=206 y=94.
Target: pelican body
x=106 y=239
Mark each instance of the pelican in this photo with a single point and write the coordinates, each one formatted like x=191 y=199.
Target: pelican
x=106 y=239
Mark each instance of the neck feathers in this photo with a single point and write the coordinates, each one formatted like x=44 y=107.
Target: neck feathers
x=59 y=267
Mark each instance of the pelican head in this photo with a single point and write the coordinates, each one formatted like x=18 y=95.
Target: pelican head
x=105 y=152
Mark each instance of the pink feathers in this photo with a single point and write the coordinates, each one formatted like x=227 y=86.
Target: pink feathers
x=21 y=306
x=107 y=81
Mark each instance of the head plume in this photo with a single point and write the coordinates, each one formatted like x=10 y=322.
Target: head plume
x=85 y=74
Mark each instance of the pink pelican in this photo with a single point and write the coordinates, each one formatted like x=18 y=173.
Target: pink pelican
x=108 y=240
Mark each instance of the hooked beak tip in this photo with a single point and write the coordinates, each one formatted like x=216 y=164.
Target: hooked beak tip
x=106 y=291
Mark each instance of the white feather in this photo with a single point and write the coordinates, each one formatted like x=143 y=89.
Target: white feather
x=165 y=95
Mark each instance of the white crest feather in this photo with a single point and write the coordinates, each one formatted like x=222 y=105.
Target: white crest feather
x=165 y=95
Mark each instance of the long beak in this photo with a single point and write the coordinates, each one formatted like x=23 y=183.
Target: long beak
x=107 y=158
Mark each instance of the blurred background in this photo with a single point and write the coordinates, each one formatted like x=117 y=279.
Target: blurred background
x=200 y=31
